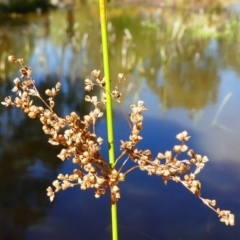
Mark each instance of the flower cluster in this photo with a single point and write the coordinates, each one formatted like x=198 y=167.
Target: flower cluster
x=81 y=144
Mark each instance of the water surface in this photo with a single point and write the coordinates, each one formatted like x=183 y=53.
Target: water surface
x=187 y=83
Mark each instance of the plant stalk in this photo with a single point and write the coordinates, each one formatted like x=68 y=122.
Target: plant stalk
x=102 y=6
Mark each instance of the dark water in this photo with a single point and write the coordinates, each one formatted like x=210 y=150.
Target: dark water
x=188 y=83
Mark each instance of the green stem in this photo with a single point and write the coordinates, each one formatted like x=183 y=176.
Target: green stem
x=102 y=7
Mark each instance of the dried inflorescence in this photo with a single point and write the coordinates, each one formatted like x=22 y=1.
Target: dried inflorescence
x=81 y=144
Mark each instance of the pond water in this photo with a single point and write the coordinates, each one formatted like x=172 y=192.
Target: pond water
x=189 y=79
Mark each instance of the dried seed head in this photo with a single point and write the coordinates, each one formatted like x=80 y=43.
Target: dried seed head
x=177 y=148
x=50 y=193
x=160 y=156
x=186 y=177
x=19 y=61
x=88 y=82
x=88 y=88
x=121 y=77
x=97 y=195
x=16 y=81
x=26 y=72
x=49 y=93
x=183 y=136
x=82 y=145
x=32 y=114
x=168 y=154
x=52 y=104
x=212 y=203
x=11 y=58
x=115 y=188
x=96 y=73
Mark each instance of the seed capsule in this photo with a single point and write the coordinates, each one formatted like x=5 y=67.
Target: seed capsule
x=11 y=58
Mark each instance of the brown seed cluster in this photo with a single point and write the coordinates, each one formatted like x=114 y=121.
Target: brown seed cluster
x=81 y=144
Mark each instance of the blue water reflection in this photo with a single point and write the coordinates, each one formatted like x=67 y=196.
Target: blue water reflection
x=148 y=209
x=186 y=93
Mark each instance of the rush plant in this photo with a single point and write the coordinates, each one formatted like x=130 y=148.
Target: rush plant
x=81 y=144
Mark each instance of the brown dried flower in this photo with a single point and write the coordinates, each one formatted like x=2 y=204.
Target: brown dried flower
x=81 y=144
x=11 y=58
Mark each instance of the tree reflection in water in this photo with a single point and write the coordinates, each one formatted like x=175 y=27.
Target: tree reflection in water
x=24 y=202
x=28 y=165
x=188 y=79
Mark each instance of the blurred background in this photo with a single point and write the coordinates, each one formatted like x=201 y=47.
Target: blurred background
x=181 y=57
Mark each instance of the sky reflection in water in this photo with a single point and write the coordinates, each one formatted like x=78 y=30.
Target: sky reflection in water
x=181 y=95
